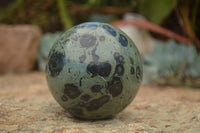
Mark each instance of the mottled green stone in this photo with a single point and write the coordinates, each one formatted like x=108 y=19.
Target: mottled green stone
x=94 y=70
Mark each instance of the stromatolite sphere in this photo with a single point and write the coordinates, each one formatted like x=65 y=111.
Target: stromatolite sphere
x=94 y=70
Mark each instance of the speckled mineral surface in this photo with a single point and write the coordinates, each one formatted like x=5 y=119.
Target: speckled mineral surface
x=26 y=105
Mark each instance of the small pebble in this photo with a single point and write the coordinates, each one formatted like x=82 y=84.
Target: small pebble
x=42 y=119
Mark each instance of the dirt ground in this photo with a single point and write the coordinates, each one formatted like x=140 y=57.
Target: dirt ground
x=26 y=105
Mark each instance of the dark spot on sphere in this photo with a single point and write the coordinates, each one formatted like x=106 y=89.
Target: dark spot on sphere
x=123 y=40
x=119 y=58
x=87 y=40
x=131 y=60
x=119 y=69
x=75 y=111
x=71 y=91
x=85 y=97
x=102 y=38
x=92 y=24
x=115 y=87
x=96 y=88
x=64 y=98
x=97 y=103
x=132 y=70
x=99 y=68
x=110 y=30
x=138 y=72
x=82 y=58
x=80 y=81
x=56 y=63
x=92 y=68
x=104 y=69
x=89 y=25
x=116 y=55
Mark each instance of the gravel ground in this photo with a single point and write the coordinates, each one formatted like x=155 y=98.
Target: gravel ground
x=26 y=105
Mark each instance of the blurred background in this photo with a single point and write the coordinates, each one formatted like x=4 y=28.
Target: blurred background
x=167 y=33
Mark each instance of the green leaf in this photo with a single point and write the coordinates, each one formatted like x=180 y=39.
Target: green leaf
x=156 y=10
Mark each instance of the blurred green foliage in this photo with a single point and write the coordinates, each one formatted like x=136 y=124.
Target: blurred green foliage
x=157 y=10
x=56 y=15
x=43 y=13
x=52 y=15
x=171 y=63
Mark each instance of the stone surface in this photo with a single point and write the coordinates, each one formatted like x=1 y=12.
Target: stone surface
x=18 y=48
x=26 y=105
x=98 y=61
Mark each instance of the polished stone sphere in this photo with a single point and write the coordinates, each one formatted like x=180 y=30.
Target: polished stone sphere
x=94 y=70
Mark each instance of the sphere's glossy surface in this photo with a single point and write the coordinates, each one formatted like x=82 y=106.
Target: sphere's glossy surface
x=94 y=70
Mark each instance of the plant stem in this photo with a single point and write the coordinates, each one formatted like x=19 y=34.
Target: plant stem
x=154 y=28
x=184 y=10
x=64 y=14
x=87 y=9
x=194 y=14
x=20 y=4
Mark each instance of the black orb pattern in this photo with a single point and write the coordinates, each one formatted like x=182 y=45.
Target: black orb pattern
x=122 y=40
x=131 y=60
x=138 y=73
x=132 y=71
x=119 y=69
x=110 y=30
x=72 y=91
x=119 y=58
x=97 y=103
x=99 y=68
x=56 y=63
x=115 y=87
x=92 y=24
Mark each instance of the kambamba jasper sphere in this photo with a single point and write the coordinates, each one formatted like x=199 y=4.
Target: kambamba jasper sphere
x=94 y=70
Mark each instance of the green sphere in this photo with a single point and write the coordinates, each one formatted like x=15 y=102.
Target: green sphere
x=94 y=70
